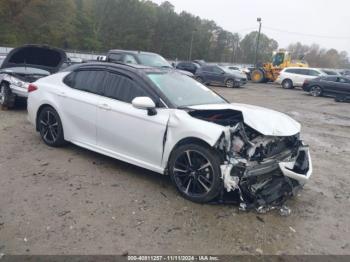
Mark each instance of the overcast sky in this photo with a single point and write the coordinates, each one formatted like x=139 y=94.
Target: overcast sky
x=325 y=22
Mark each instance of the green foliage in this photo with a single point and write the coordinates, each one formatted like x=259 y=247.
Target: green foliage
x=100 y=25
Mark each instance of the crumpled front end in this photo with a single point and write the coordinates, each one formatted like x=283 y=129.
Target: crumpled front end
x=263 y=158
x=265 y=170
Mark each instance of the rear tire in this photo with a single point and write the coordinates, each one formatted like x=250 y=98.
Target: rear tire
x=7 y=99
x=316 y=91
x=50 y=127
x=195 y=171
x=287 y=84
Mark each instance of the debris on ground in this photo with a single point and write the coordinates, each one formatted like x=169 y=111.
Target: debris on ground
x=292 y=229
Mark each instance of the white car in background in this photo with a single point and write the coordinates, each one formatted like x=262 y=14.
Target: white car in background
x=291 y=77
x=164 y=121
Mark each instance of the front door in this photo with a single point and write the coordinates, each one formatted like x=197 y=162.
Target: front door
x=128 y=133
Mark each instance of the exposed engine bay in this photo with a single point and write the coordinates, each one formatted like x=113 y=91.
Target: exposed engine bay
x=263 y=171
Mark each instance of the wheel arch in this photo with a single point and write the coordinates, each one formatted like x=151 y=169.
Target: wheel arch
x=41 y=107
x=184 y=141
x=4 y=82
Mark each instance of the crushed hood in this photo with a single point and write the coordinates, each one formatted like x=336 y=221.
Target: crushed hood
x=267 y=122
x=35 y=56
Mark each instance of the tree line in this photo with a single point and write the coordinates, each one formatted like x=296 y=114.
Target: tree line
x=100 y=25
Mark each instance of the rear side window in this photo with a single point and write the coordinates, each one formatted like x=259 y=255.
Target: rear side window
x=207 y=69
x=291 y=71
x=115 y=58
x=88 y=80
x=122 y=88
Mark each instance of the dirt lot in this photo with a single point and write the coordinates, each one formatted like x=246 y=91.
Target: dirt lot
x=72 y=201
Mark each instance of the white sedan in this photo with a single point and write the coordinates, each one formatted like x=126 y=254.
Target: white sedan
x=161 y=120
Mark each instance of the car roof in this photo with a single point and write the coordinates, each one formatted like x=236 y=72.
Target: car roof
x=130 y=52
x=137 y=68
x=299 y=67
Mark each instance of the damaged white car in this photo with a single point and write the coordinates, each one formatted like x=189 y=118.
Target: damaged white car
x=171 y=124
x=24 y=65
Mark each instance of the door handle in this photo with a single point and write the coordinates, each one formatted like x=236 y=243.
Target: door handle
x=61 y=94
x=105 y=107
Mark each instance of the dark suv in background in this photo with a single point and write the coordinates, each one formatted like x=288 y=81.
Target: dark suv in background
x=218 y=75
x=141 y=58
x=188 y=66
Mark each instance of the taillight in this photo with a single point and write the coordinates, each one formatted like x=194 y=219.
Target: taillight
x=32 y=88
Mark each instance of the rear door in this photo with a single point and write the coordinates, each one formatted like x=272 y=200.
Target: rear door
x=126 y=132
x=78 y=104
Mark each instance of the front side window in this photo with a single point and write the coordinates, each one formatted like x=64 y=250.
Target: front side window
x=87 y=80
x=313 y=73
x=217 y=70
x=122 y=88
x=129 y=59
x=184 y=91
x=278 y=59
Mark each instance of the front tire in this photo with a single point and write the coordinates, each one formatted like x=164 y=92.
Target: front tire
x=50 y=127
x=7 y=99
x=316 y=91
x=287 y=84
x=195 y=171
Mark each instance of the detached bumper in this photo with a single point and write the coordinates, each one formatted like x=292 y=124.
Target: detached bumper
x=301 y=168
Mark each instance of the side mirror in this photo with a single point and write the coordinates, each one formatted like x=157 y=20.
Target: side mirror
x=145 y=103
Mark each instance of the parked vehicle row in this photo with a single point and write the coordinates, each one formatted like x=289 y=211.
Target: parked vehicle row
x=333 y=86
x=318 y=82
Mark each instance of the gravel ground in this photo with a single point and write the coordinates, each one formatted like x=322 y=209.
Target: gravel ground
x=73 y=201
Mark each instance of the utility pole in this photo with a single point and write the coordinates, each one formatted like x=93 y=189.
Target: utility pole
x=191 y=47
x=257 y=42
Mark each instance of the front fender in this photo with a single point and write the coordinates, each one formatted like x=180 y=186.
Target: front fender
x=181 y=126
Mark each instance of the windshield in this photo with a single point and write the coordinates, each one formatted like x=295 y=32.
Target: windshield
x=153 y=60
x=184 y=91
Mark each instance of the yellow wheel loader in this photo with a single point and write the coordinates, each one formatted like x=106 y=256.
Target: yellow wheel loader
x=270 y=71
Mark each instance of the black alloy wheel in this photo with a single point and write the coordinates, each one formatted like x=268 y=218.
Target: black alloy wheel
x=50 y=127
x=195 y=171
